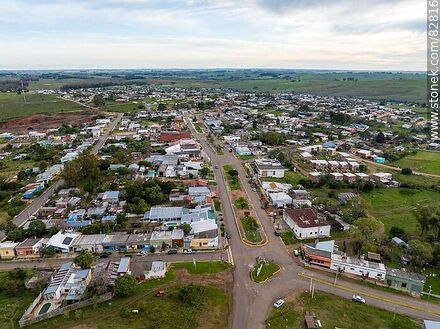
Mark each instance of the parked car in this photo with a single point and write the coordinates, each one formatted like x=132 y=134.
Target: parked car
x=172 y=251
x=358 y=299
x=141 y=253
x=216 y=167
x=296 y=252
x=278 y=303
x=254 y=189
x=227 y=235
x=188 y=251
x=277 y=233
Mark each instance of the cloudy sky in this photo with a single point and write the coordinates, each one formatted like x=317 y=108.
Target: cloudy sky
x=315 y=34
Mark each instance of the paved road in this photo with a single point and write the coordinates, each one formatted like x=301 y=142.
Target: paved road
x=38 y=202
x=252 y=301
x=55 y=262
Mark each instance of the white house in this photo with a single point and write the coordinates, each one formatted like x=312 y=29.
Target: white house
x=305 y=224
x=359 y=267
x=280 y=199
x=269 y=168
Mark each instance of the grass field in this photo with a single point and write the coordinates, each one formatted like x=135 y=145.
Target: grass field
x=251 y=229
x=422 y=161
x=12 y=308
x=394 y=206
x=432 y=281
x=203 y=267
x=123 y=107
x=167 y=312
x=241 y=203
x=335 y=312
x=217 y=205
x=268 y=269
x=16 y=106
x=290 y=177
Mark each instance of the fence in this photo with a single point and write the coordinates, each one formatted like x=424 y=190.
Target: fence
x=62 y=310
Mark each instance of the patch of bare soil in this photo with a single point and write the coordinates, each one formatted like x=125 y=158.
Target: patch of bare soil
x=42 y=122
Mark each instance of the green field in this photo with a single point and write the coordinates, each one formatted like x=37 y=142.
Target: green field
x=123 y=107
x=335 y=312
x=16 y=106
x=268 y=269
x=203 y=267
x=423 y=161
x=394 y=206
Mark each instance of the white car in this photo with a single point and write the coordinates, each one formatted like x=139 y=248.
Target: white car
x=278 y=303
x=358 y=299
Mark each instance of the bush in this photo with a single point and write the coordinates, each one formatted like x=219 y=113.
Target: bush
x=406 y=171
x=125 y=285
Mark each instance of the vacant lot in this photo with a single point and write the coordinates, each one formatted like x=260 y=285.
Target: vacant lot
x=203 y=267
x=335 y=312
x=17 y=106
x=395 y=206
x=422 y=161
x=210 y=310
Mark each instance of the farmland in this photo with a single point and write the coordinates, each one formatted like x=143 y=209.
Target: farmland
x=15 y=106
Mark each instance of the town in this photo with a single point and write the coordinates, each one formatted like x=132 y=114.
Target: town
x=289 y=192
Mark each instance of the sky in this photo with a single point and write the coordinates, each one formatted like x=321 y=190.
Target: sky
x=296 y=34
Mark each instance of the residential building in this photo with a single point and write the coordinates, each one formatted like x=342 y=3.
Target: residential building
x=305 y=224
x=269 y=168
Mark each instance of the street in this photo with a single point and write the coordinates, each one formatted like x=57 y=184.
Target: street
x=252 y=301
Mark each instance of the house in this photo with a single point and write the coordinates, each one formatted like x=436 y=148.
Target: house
x=204 y=234
x=427 y=324
x=280 y=199
x=140 y=241
x=269 y=168
x=242 y=151
x=406 y=281
x=91 y=243
x=115 y=242
x=319 y=253
x=170 y=215
x=274 y=187
x=62 y=242
x=29 y=248
x=111 y=196
x=173 y=136
x=7 y=249
x=158 y=238
x=358 y=267
x=157 y=270
x=68 y=283
x=305 y=223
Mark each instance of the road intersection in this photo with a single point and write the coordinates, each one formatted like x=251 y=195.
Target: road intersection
x=252 y=301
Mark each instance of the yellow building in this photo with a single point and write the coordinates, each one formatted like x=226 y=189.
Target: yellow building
x=7 y=249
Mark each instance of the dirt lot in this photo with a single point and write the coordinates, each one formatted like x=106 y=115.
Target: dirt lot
x=41 y=122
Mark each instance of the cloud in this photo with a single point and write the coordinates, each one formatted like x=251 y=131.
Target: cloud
x=342 y=34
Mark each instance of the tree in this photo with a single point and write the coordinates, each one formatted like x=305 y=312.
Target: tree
x=71 y=173
x=84 y=259
x=152 y=249
x=424 y=217
x=36 y=228
x=362 y=168
x=125 y=285
x=421 y=252
x=191 y=294
x=98 y=100
x=186 y=228
x=366 y=231
x=380 y=138
x=399 y=232
x=406 y=171
x=204 y=172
